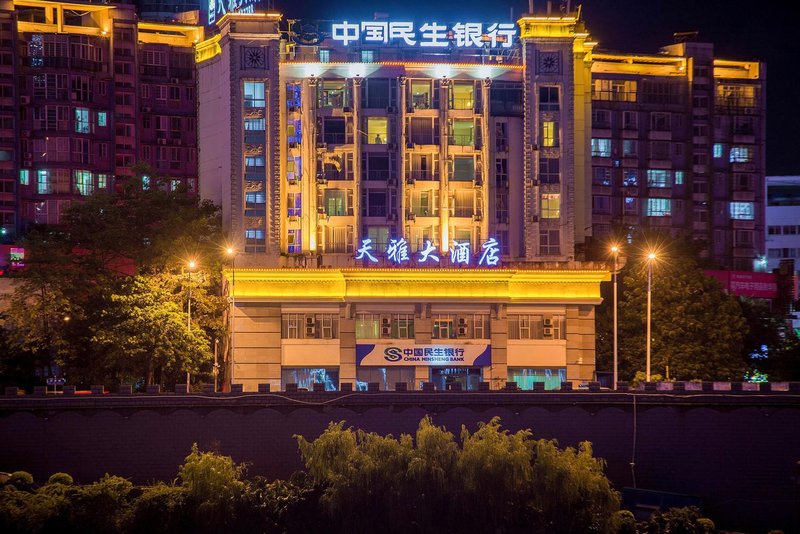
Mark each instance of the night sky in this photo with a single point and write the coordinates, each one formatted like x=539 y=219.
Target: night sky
x=739 y=30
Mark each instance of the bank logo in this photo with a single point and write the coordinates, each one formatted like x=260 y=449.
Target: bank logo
x=393 y=354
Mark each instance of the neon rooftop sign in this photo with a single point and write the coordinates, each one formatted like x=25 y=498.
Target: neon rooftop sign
x=428 y=35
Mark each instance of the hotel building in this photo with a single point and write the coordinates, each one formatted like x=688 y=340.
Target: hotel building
x=87 y=91
x=344 y=168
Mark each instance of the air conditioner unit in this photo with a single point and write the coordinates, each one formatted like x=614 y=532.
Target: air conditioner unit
x=322 y=145
x=321 y=180
x=391 y=181
x=147 y=109
x=478 y=181
x=178 y=142
x=391 y=216
x=321 y=210
x=411 y=181
x=548 y=321
x=24 y=100
x=293 y=218
x=462 y=331
x=73 y=95
x=174 y=80
x=477 y=217
x=462 y=321
x=534 y=182
x=386 y=331
x=392 y=146
x=410 y=145
x=162 y=141
x=292 y=181
x=548 y=331
x=534 y=218
x=292 y=109
x=411 y=217
x=347 y=109
x=28 y=155
x=310 y=331
x=391 y=109
x=293 y=144
x=25 y=133
x=27 y=163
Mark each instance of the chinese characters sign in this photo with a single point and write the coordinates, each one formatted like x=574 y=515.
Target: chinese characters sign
x=428 y=35
x=397 y=253
x=409 y=353
x=218 y=8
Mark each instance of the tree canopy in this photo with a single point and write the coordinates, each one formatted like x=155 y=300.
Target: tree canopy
x=103 y=297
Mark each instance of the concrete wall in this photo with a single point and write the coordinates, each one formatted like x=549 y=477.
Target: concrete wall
x=738 y=451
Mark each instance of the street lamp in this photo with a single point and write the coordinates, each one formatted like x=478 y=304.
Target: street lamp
x=615 y=252
x=650 y=258
x=191 y=266
x=232 y=255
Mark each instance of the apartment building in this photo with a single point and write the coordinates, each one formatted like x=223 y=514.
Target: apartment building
x=91 y=92
x=678 y=145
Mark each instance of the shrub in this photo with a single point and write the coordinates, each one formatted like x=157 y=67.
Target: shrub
x=60 y=478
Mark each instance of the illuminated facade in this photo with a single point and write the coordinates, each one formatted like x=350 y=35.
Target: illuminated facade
x=678 y=145
x=408 y=210
x=94 y=92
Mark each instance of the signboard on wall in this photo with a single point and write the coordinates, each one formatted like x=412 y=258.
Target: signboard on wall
x=218 y=8
x=404 y=353
x=746 y=284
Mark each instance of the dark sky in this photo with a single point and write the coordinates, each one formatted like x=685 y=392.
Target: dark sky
x=739 y=30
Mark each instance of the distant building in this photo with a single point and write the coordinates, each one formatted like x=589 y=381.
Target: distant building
x=79 y=112
x=678 y=145
x=783 y=220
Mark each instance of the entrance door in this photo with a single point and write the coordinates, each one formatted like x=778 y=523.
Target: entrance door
x=468 y=377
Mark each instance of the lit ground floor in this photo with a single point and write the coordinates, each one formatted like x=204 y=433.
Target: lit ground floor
x=453 y=328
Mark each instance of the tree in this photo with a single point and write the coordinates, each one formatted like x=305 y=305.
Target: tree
x=697 y=329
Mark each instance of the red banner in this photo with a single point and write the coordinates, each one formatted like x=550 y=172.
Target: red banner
x=745 y=284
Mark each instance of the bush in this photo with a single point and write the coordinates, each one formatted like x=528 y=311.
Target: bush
x=60 y=478
x=159 y=509
x=21 y=480
x=685 y=520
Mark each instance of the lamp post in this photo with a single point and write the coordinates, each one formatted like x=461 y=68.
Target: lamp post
x=650 y=257
x=191 y=265
x=232 y=255
x=615 y=252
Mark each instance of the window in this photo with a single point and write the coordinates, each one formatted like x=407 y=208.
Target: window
x=743 y=238
x=741 y=154
x=43 y=184
x=254 y=96
x=460 y=326
x=616 y=90
x=374 y=203
x=376 y=93
x=294 y=241
x=658 y=207
x=549 y=133
x=463 y=169
x=424 y=203
x=790 y=230
x=463 y=203
x=82 y=123
x=462 y=95
x=501 y=136
x=310 y=326
x=305 y=378
x=324 y=56
x=631 y=205
x=549 y=170
x=717 y=150
x=102 y=118
x=548 y=98
x=629 y=148
x=421 y=94
x=24 y=177
x=536 y=326
x=335 y=202
x=377 y=130
x=658 y=178
x=660 y=121
x=630 y=177
x=549 y=242
x=678 y=177
x=385 y=325
x=254 y=236
x=601 y=148
x=551 y=205
x=83 y=182
x=386 y=377
x=294 y=203
x=501 y=173
x=102 y=181
x=423 y=131
x=601 y=204
x=332 y=94
x=630 y=120
x=379 y=236
x=601 y=176
x=601 y=118
x=743 y=211
x=462 y=133
x=367 y=56
x=659 y=150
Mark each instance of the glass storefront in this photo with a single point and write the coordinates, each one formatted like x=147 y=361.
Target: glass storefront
x=525 y=377
x=306 y=377
x=468 y=377
x=386 y=377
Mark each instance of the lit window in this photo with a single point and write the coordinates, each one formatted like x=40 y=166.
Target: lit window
x=678 y=177
x=462 y=95
x=463 y=169
x=629 y=148
x=717 y=150
x=102 y=118
x=253 y=233
x=367 y=56
x=551 y=205
x=294 y=241
x=658 y=178
x=43 y=183
x=254 y=161
x=102 y=181
x=741 y=154
x=324 y=56
x=145 y=182
x=658 y=207
x=631 y=205
x=550 y=133
x=630 y=177
x=83 y=182
x=601 y=148
x=82 y=120
x=744 y=211
x=24 y=177
x=377 y=130
x=254 y=95
x=601 y=176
